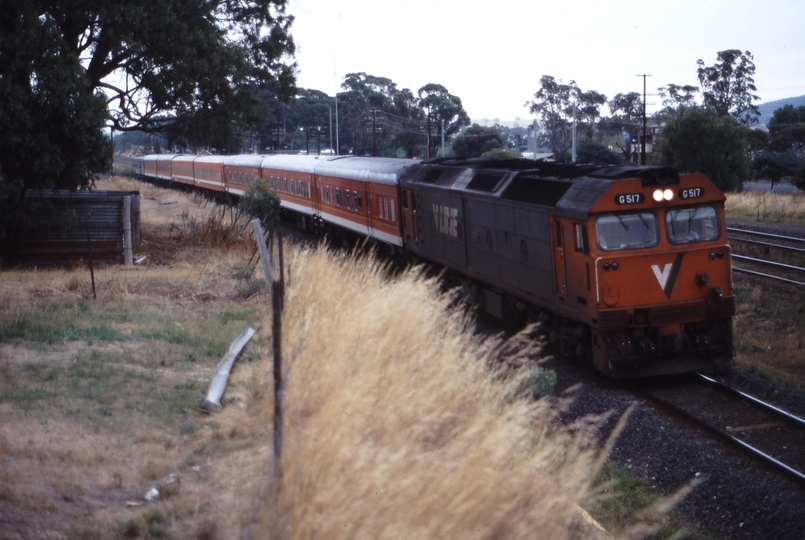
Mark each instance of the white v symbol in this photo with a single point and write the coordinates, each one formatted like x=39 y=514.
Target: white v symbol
x=662 y=276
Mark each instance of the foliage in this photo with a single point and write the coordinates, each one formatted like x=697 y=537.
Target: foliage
x=184 y=67
x=589 y=151
x=476 y=140
x=799 y=178
x=500 y=154
x=261 y=203
x=791 y=138
x=784 y=117
x=375 y=117
x=756 y=141
x=699 y=139
x=674 y=95
x=629 y=105
x=775 y=166
x=557 y=104
x=728 y=85
x=439 y=106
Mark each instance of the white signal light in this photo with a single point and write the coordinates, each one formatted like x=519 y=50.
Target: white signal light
x=657 y=195
x=667 y=194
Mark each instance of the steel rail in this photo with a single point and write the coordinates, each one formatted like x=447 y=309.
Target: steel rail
x=768 y=263
x=768 y=276
x=748 y=447
x=766 y=244
x=755 y=401
x=767 y=235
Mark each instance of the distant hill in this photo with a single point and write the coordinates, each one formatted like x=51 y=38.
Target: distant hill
x=767 y=109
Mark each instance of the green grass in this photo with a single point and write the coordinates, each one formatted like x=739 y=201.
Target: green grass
x=201 y=332
x=101 y=382
x=623 y=501
x=103 y=387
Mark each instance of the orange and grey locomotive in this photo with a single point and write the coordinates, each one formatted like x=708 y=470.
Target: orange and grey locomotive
x=627 y=266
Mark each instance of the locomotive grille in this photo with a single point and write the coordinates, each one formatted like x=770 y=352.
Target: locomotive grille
x=657 y=316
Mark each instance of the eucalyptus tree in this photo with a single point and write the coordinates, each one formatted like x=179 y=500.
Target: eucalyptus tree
x=559 y=105
x=728 y=86
x=439 y=106
x=70 y=68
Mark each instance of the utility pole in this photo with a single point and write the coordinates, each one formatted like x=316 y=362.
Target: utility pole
x=573 y=157
x=428 y=152
x=643 y=141
x=442 y=137
x=335 y=79
x=374 y=132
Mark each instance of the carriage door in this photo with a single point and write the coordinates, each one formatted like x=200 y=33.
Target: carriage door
x=559 y=270
x=409 y=217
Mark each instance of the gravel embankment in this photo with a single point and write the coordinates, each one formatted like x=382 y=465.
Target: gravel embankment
x=737 y=496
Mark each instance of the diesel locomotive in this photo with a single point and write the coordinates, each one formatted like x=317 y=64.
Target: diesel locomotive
x=626 y=266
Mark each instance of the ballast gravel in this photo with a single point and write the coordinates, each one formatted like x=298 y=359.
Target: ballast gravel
x=736 y=496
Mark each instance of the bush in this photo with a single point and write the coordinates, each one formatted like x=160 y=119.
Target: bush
x=697 y=139
x=261 y=203
x=776 y=165
x=588 y=151
x=799 y=178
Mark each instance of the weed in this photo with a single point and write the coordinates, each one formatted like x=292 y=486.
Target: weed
x=227 y=315
x=250 y=288
x=245 y=272
x=537 y=382
x=621 y=501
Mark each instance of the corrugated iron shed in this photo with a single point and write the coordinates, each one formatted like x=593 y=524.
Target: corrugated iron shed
x=63 y=226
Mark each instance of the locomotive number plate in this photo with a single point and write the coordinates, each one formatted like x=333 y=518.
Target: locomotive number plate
x=629 y=198
x=691 y=193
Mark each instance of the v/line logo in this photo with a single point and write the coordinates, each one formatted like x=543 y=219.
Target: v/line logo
x=445 y=219
x=667 y=276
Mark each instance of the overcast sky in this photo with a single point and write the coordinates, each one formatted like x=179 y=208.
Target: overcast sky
x=492 y=54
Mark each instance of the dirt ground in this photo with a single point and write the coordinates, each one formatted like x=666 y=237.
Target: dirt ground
x=100 y=398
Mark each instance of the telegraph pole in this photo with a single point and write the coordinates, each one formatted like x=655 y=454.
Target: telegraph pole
x=643 y=142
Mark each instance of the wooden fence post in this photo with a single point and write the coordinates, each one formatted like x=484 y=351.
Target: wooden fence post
x=277 y=287
x=127 y=244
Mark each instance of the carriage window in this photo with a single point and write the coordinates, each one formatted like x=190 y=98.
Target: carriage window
x=357 y=201
x=393 y=216
x=349 y=199
x=688 y=225
x=626 y=231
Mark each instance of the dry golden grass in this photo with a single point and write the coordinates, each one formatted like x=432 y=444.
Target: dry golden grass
x=394 y=427
x=767 y=206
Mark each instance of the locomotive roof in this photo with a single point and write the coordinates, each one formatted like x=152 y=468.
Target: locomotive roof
x=573 y=188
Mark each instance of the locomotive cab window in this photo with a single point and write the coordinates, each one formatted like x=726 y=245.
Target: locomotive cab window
x=626 y=231
x=688 y=225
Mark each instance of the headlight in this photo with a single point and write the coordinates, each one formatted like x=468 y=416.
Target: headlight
x=659 y=195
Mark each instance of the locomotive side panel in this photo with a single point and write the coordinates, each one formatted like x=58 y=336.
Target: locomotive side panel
x=508 y=247
x=481 y=258
x=440 y=221
x=534 y=272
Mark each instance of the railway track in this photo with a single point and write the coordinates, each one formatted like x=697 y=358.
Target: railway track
x=768 y=433
x=769 y=256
